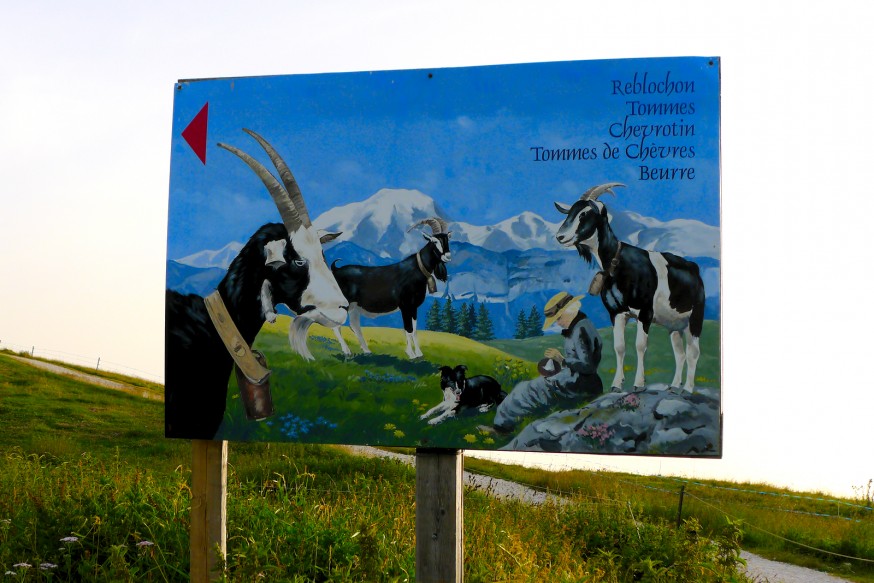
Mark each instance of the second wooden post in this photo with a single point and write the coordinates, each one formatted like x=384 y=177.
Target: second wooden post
x=439 y=515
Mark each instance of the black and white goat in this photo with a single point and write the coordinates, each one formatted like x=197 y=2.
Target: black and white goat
x=646 y=285
x=289 y=258
x=376 y=290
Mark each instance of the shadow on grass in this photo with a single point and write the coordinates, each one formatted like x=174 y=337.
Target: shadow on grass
x=420 y=368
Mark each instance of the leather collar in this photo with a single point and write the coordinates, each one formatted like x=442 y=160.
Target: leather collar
x=237 y=347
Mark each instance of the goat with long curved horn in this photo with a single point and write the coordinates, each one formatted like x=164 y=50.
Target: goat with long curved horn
x=318 y=296
x=596 y=191
x=287 y=178
x=437 y=225
x=288 y=210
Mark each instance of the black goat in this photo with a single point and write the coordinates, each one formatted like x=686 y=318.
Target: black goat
x=650 y=286
x=377 y=290
x=287 y=256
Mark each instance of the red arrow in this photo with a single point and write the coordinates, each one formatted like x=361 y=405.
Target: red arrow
x=195 y=133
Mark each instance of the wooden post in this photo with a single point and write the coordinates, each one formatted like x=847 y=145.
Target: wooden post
x=209 y=496
x=439 y=515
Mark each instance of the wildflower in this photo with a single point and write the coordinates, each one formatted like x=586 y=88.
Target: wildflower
x=145 y=543
x=470 y=438
x=630 y=402
x=389 y=427
x=6 y=521
x=398 y=433
x=597 y=432
x=22 y=565
x=47 y=566
x=70 y=539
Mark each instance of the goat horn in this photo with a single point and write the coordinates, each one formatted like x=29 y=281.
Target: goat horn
x=437 y=225
x=596 y=191
x=286 y=176
x=290 y=217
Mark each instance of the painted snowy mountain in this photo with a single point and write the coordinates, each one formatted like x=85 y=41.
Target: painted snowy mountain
x=380 y=223
x=525 y=231
x=511 y=265
x=208 y=258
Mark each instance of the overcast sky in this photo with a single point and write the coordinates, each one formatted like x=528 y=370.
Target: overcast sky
x=86 y=98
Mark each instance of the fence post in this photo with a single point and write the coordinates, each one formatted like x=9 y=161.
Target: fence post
x=98 y=364
x=680 y=509
x=439 y=515
x=209 y=496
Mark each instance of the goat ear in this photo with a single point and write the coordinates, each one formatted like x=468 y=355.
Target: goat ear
x=448 y=234
x=445 y=370
x=460 y=369
x=429 y=237
x=274 y=253
x=326 y=237
x=562 y=208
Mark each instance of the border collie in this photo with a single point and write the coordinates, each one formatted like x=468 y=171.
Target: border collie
x=461 y=393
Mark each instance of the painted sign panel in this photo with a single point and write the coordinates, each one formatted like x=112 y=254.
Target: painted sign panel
x=520 y=257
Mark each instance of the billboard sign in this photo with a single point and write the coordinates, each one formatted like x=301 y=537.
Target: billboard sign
x=518 y=257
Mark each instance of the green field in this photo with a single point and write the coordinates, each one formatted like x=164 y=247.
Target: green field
x=91 y=490
x=377 y=399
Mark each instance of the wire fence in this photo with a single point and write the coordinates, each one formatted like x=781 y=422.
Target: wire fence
x=95 y=362
x=685 y=491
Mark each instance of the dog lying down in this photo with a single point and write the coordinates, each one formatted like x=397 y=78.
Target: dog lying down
x=461 y=393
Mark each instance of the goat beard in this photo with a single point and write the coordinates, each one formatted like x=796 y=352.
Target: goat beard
x=297 y=336
x=585 y=253
x=440 y=272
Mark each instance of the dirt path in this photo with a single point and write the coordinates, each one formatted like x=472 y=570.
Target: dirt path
x=89 y=378
x=759 y=568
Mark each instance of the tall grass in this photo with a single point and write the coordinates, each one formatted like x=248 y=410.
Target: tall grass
x=90 y=491
x=806 y=529
x=314 y=513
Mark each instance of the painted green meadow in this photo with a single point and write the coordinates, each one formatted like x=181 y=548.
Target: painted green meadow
x=377 y=399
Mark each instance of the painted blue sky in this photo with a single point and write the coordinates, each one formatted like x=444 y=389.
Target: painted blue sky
x=464 y=136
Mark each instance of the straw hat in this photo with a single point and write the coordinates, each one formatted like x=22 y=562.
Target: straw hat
x=556 y=305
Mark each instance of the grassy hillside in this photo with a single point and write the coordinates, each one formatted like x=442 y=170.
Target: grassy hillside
x=377 y=399
x=89 y=485
x=90 y=491
x=55 y=415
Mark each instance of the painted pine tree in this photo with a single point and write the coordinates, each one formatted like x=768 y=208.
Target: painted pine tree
x=432 y=319
x=521 y=327
x=534 y=323
x=464 y=327
x=484 y=327
x=450 y=317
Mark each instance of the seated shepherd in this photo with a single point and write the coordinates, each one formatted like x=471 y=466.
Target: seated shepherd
x=577 y=378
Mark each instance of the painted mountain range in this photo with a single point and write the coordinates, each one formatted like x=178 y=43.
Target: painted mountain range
x=510 y=266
